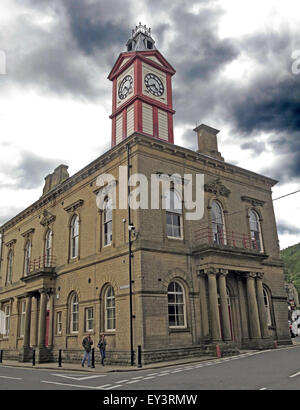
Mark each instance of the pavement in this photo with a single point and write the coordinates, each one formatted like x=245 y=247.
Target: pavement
x=116 y=368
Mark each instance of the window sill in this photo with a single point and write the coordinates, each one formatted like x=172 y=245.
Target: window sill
x=175 y=238
x=179 y=330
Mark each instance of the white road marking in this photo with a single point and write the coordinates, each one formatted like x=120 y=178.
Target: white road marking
x=104 y=386
x=79 y=378
x=114 y=387
x=148 y=378
x=71 y=385
x=294 y=375
x=122 y=381
x=12 y=378
x=263 y=388
x=133 y=381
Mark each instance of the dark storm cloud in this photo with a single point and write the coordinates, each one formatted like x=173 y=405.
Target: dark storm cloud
x=28 y=173
x=283 y=228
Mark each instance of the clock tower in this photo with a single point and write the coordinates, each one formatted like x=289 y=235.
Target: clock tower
x=142 y=90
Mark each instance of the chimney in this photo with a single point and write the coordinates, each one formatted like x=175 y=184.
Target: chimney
x=207 y=141
x=59 y=175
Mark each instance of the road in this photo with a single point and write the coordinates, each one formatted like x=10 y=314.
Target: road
x=266 y=370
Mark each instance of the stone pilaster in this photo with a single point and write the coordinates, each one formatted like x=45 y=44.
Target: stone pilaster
x=203 y=306
x=34 y=320
x=26 y=339
x=224 y=305
x=42 y=318
x=253 y=307
x=261 y=306
x=51 y=319
x=213 y=304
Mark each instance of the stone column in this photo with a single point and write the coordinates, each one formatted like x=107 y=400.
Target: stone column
x=34 y=319
x=203 y=306
x=243 y=309
x=261 y=306
x=252 y=307
x=51 y=319
x=42 y=318
x=213 y=304
x=224 y=305
x=26 y=339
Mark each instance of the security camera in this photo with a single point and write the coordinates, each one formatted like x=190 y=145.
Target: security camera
x=131 y=227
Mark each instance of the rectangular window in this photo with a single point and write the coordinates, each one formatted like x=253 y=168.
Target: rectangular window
x=89 y=319
x=7 y=320
x=173 y=225
x=22 y=318
x=59 y=323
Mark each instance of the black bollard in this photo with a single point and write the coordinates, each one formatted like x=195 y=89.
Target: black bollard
x=33 y=357
x=1 y=356
x=59 y=358
x=93 y=358
x=139 y=356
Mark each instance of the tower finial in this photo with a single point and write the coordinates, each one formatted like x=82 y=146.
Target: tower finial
x=141 y=39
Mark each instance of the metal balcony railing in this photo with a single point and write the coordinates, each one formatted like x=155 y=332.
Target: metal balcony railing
x=206 y=236
x=42 y=262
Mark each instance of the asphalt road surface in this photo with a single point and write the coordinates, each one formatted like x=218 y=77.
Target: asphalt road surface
x=266 y=370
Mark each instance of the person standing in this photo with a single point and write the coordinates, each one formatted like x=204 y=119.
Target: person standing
x=87 y=345
x=102 y=347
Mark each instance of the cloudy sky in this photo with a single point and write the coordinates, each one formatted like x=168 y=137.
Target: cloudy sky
x=238 y=70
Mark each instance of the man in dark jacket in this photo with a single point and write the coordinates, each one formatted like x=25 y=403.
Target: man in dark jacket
x=87 y=345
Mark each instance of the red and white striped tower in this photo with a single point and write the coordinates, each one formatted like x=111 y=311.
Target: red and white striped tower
x=142 y=90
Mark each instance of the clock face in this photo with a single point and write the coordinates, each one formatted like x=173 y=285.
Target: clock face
x=154 y=84
x=125 y=87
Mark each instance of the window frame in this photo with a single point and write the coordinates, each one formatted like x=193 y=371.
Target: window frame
x=221 y=237
x=108 y=309
x=7 y=313
x=22 y=318
x=59 y=322
x=74 y=312
x=173 y=213
x=260 y=248
x=88 y=319
x=48 y=249
x=176 y=304
x=10 y=261
x=74 y=236
x=107 y=223
x=27 y=257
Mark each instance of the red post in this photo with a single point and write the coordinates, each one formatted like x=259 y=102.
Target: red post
x=218 y=351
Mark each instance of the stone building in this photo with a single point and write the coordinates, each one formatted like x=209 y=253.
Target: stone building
x=149 y=277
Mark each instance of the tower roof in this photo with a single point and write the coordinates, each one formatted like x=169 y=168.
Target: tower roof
x=141 y=39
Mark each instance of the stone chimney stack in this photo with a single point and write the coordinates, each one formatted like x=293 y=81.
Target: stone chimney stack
x=207 y=141
x=59 y=175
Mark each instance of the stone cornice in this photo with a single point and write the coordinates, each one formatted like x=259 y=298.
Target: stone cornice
x=253 y=201
x=75 y=205
x=27 y=233
x=216 y=187
x=116 y=152
x=11 y=243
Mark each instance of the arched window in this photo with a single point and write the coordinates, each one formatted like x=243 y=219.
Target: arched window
x=74 y=314
x=174 y=214
x=27 y=258
x=217 y=221
x=110 y=309
x=267 y=308
x=9 y=267
x=48 y=248
x=75 y=236
x=255 y=231
x=107 y=222
x=176 y=305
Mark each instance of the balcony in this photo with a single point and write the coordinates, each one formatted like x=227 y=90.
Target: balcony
x=231 y=242
x=41 y=271
x=41 y=263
